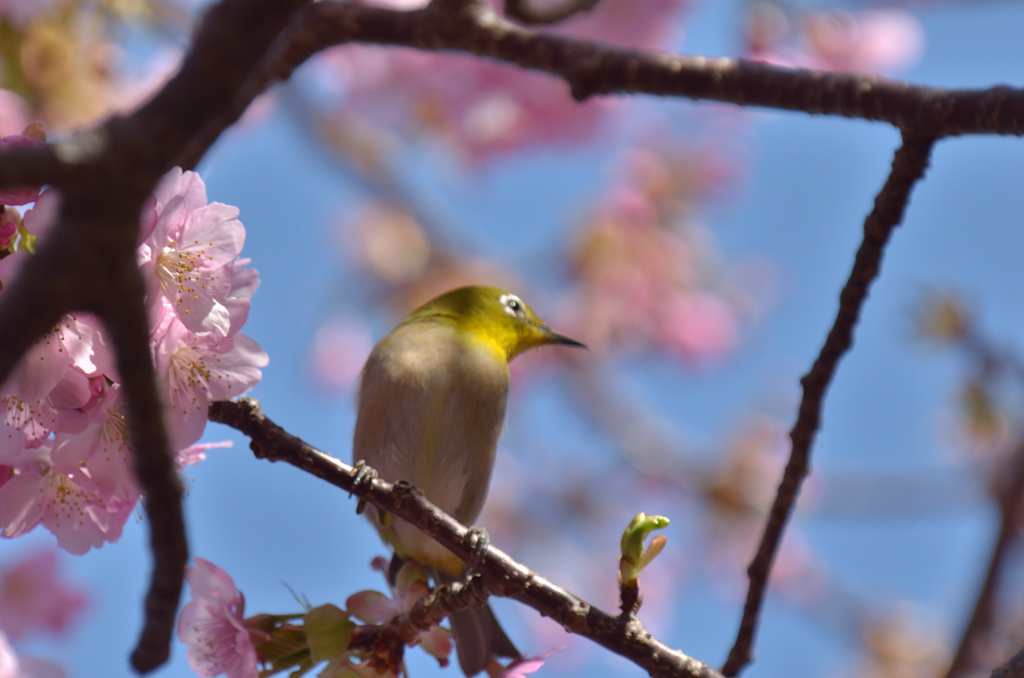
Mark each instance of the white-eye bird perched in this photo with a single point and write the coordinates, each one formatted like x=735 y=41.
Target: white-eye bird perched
x=431 y=407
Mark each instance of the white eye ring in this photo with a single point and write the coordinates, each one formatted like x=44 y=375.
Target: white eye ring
x=512 y=304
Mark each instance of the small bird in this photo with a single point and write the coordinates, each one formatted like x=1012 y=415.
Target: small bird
x=431 y=405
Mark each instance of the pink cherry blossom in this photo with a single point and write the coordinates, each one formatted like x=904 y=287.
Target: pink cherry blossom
x=27 y=424
x=186 y=255
x=211 y=624
x=46 y=363
x=18 y=195
x=33 y=597
x=65 y=458
x=100 y=448
x=244 y=283
x=193 y=454
x=65 y=502
x=196 y=369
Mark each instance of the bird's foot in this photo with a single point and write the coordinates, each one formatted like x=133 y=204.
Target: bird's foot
x=364 y=476
x=479 y=540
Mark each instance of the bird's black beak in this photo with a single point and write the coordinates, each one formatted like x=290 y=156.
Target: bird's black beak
x=556 y=338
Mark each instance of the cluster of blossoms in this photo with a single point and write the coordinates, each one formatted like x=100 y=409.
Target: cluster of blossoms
x=480 y=108
x=65 y=460
x=222 y=640
x=647 y=273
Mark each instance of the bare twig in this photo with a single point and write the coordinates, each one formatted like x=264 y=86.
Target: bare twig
x=500 y=574
x=1009 y=494
x=908 y=167
x=525 y=11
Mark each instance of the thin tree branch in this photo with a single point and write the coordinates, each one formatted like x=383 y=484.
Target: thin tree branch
x=979 y=626
x=525 y=11
x=625 y=635
x=908 y=167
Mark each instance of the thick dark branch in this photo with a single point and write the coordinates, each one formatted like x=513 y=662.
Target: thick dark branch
x=154 y=469
x=32 y=167
x=592 y=68
x=500 y=574
x=528 y=13
x=908 y=167
x=1013 y=668
x=1009 y=493
x=89 y=262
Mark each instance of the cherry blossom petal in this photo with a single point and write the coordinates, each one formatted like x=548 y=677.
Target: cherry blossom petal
x=211 y=625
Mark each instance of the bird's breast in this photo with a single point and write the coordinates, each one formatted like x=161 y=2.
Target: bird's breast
x=431 y=408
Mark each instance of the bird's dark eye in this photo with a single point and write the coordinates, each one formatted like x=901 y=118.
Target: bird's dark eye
x=513 y=305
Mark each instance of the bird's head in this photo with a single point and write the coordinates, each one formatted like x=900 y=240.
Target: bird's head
x=492 y=316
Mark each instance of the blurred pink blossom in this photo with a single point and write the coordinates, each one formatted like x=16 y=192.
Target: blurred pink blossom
x=698 y=325
x=484 y=108
x=13 y=111
x=33 y=597
x=871 y=41
x=15 y=666
x=211 y=625
x=339 y=351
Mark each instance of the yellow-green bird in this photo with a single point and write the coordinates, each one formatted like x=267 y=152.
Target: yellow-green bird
x=431 y=407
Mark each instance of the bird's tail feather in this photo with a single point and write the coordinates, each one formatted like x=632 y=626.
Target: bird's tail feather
x=478 y=636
